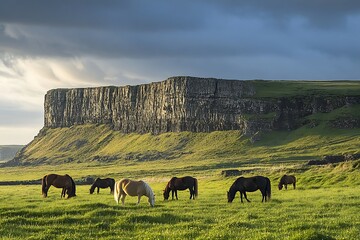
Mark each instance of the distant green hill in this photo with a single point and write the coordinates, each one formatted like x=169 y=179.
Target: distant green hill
x=7 y=152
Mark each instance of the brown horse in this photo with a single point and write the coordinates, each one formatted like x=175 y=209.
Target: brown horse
x=132 y=188
x=251 y=184
x=181 y=184
x=287 y=179
x=103 y=183
x=65 y=182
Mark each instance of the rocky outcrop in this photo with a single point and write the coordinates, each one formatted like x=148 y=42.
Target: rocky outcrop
x=328 y=159
x=184 y=104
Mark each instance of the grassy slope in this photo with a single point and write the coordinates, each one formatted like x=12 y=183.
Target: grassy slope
x=177 y=153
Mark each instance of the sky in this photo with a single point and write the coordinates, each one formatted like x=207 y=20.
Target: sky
x=84 y=43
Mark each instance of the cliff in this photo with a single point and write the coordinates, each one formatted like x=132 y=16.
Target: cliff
x=187 y=104
x=202 y=118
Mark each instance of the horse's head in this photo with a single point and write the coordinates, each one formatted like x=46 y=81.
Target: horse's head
x=92 y=188
x=230 y=196
x=152 y=200
x=280 y=186
x=166 y=194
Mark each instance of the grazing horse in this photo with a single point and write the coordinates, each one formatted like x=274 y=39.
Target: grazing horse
x=132 y=188
x=181 y=184
x=287 y=179
x=103 y=183
x=59 y=181
x=251 y=184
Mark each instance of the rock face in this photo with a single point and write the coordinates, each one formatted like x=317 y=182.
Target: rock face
x=184 y=104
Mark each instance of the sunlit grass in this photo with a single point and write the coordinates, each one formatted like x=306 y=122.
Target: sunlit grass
x=305 y=213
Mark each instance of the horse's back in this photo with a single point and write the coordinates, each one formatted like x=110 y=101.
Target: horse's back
x=50 y=177
x=110 y=181
x=182 y=183
x=189 y=179
x=291 y=179
x=251 y=183
x=288 y=179
x=131 y=187
x=58 y=181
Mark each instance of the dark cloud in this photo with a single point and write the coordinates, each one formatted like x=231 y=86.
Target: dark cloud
x=318 y=13
x=119 y=15
x=155 y=29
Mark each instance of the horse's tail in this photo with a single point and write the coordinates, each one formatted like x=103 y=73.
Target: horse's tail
x=112 y=185
x=196 y=187
x=268 y=188
x=116 y=192
x=43 y=186
x=294 y=182
x=73 y=187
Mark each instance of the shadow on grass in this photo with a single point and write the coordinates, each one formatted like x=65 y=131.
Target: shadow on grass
x=164 y=218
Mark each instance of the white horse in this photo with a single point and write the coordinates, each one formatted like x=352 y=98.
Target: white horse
x=132 y=188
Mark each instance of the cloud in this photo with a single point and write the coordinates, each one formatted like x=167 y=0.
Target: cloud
x=65 y=44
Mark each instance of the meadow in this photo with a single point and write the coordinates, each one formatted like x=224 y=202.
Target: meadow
x=325 y=205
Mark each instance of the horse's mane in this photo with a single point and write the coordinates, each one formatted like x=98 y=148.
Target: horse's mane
x=149 y=191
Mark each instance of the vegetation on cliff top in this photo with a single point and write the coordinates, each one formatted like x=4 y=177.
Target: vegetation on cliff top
x=273 y=89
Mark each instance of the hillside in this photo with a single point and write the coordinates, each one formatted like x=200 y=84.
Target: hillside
x=277 y=122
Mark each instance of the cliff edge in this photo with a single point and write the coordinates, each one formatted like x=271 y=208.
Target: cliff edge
x=188 y=104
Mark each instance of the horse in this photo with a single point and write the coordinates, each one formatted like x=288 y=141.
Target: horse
x=59 y=181
x=133 y=188
x=103 y=183
x=181 y=184
x=251 y=184
x=287 y=179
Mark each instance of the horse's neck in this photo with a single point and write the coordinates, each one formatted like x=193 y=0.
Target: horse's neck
x=234 y=188
x=148 y=191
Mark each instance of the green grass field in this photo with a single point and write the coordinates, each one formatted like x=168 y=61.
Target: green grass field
x=325 y=205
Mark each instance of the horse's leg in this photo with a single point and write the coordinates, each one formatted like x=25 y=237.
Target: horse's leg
x=172 y=194
x=285 y=186
x=246 y=197
x=98 y=190
x=122 y=197
x=176 y=195
x=139 y=196
x=46 y=189
x=62 y=193
x=241 y=197
x=294 y=184
x=263 y=193
x=191 y=193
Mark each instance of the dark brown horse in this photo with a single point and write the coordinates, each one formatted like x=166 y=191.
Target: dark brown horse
x=251 y=184
x=103 y=183
x=287 y=179
x=181 y=184
x=59 y=181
